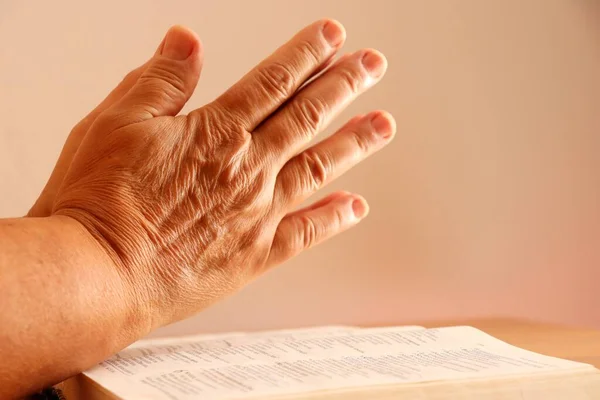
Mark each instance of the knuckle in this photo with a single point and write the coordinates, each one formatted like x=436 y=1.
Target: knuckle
x=214 y=127
x=250 y=190
x=362 y=139
x=350 y=78
x=309 y=112
x=316 y=169
x=308 y=231
x=309 y=50
x=277 y=78
x=163 y=79
x=108 y=121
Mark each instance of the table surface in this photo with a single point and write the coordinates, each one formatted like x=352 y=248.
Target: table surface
x=573 y=343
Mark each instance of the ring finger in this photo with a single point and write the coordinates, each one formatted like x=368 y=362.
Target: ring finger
x=318 y=165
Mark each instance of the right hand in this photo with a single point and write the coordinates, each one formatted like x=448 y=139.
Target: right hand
x=189 y=208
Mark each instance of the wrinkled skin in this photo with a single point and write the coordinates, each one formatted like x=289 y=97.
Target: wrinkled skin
x=189 y=208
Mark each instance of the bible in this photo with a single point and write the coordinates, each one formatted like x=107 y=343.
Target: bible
x=337 y=362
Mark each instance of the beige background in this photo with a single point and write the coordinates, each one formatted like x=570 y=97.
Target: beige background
x=488 y=202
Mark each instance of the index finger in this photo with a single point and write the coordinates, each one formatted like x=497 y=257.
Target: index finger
x=261 y=91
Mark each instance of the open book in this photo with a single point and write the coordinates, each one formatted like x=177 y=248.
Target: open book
x=338 y=363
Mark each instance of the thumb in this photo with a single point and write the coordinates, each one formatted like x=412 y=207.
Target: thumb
x=168 y=81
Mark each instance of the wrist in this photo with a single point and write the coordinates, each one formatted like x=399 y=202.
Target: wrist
x=129 y=317
x=64 y=305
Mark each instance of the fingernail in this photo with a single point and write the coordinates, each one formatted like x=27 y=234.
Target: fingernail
x=382 y=126
x=179 y=44
x=374 y=62
x=334 y=33
x=360 y=208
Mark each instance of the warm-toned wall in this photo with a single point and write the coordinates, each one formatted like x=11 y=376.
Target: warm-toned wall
x=487 y=203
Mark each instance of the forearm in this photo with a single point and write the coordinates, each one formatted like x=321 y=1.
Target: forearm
x=63 y=306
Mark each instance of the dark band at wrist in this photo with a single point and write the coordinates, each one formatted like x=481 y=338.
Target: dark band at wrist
x=48 y=394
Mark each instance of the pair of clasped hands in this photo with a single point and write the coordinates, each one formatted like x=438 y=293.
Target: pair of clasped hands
x=188 y=208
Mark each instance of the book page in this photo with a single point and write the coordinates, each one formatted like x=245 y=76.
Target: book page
x=235 y=368
x=239 y=336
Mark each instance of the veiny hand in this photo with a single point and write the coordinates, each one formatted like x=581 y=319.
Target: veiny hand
x=189 y=208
